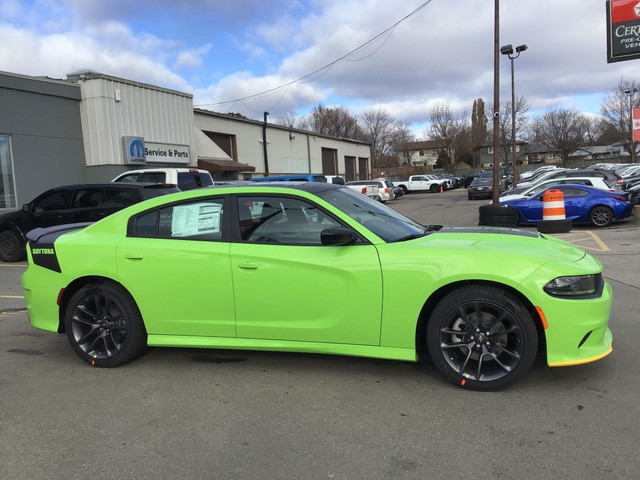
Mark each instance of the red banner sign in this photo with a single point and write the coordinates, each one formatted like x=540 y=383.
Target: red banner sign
x=636 y=124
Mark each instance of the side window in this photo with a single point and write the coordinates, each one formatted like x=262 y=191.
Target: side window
x=130 y=177
x=57 y=200
x=88 y=198
x=197 y=220
x=281 y=220
x=574 y=193
x=119 y=197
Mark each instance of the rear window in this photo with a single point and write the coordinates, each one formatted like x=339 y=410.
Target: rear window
x=153 y=177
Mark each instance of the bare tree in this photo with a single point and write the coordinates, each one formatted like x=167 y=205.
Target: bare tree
x=561 y=131
x=290 y=120
x=401 y=137
x=506 y=127
x=446 y=128
x=479 y=123
x=332 y=121
x=377 y=128
x=616 y=108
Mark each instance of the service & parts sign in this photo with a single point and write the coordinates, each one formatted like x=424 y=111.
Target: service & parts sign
x=623 y=30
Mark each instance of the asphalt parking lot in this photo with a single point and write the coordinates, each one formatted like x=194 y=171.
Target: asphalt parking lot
x=180 y=413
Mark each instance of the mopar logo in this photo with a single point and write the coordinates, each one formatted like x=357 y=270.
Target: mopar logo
x=134 y=151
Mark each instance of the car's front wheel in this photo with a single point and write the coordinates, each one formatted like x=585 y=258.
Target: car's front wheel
x=482 y=337
x=104 y=325
x=435 y=188
x=601 y=216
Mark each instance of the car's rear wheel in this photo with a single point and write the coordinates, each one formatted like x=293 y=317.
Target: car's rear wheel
x=601 y=216
x=104 y=325
x=482 y=337
x=11 y=248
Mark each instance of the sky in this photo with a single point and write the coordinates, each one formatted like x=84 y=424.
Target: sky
x=287 y=56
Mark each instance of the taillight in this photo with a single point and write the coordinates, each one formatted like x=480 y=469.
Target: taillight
x=364 y=190
x=60 y=296
x=622 y=198
x=386 y=190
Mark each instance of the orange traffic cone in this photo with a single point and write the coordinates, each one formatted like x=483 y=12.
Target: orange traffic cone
x=554 y=219
x=441 y=189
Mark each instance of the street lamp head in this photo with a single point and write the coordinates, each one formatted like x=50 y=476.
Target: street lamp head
x=521 y=48
x=506 y=50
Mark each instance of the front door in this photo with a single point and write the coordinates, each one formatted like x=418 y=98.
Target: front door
x=288 y=286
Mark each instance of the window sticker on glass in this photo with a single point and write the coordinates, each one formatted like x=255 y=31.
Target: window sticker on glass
x=196 y=219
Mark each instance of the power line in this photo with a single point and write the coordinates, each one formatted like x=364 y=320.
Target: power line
x=323 y=70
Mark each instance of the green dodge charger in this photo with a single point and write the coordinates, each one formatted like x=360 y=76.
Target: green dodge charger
x=315 y=267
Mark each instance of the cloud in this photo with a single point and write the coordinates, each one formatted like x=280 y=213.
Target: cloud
x=191 y=58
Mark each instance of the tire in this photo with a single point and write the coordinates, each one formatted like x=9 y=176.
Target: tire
x=404 y=189
x=490 y=215
x=601 y=216
x=12 y=249
x=482 y=338
x=434 y=188
x=104 y=325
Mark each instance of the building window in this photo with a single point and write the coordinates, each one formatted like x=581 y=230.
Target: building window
x=7 y=191
x=490 y=150
x=421 y=153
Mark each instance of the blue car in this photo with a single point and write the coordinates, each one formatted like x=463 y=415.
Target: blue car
x=582 y=204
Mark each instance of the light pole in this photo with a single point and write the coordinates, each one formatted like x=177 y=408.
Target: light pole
x=508 y=50
x=631 y=92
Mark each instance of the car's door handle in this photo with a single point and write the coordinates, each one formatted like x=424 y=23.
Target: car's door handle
x=248 y=265
x=133 y=256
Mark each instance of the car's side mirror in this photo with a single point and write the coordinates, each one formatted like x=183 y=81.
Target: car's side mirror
x=337 y=236
x=26 y=207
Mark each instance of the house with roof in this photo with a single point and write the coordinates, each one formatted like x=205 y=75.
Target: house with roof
x=423 y=153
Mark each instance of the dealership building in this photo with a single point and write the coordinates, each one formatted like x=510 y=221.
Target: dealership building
x=91 y=127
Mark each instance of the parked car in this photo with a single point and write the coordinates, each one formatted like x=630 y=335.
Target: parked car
x=292 y=178
x=582 y=204
x=481 y=187
x=634 y=194
x=335 y=179
x=525 y=176
x=420 y=183
x=480 y=300
x=612 y=180
x=525 y=192
x=469 y=176
x=70 y=204
x=384 y=191
x=184 y=178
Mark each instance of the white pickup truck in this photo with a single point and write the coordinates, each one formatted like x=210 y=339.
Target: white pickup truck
x=370 y=190
x=420 y=183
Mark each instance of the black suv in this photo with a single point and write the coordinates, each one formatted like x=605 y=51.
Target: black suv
x=70 y=204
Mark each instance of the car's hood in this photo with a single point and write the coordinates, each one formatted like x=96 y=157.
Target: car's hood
x=506 y=240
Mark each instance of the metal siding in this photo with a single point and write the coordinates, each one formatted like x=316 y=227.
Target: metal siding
x=285 y=156
x=158 y=116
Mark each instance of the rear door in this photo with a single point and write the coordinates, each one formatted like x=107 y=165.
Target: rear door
x=175 y=263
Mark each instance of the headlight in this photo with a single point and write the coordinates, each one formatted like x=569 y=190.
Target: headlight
x=572 y=286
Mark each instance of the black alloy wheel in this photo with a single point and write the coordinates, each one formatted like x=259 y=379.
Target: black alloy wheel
x=104 y=325
x=482 y=338
x=601 y=216
x=11 y=247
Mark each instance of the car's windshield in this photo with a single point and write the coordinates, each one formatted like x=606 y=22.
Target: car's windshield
x=381 y=220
